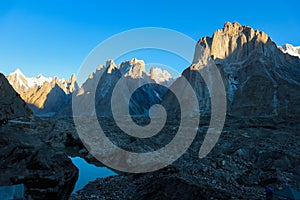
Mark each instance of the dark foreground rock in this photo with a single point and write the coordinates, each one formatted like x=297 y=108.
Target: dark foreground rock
x=166 y=184
x=10 y=101
x=250 y=156
x=25 y=159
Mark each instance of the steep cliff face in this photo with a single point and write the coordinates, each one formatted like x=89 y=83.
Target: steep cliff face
x=10 y=101
x=260 y=79
x=235 y=43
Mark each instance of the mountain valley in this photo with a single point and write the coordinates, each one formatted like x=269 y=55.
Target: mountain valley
x=258 y=146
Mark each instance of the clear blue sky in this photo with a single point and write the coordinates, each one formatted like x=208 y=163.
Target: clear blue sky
x=53 y=37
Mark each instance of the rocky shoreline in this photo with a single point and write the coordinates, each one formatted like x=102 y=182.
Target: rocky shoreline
x=25 y=159
x=250 y=156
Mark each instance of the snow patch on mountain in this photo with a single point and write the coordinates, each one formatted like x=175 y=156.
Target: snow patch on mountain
x=159 y=75
x=290 y=49
x=39 y=80
x=21 y=83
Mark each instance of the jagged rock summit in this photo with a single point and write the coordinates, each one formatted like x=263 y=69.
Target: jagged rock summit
x=133 y=74
x=234 y=43
x=133 y=68
x=21 y=83
x=260 y=80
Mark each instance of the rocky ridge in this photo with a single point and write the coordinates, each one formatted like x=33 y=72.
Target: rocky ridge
x=43 y=95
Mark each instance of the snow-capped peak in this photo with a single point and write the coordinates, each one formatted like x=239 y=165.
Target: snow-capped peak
x=21 y=83
x=18 y=80
x=18 y=72
x=160 y=75
x=39 y=80
x=290 y=49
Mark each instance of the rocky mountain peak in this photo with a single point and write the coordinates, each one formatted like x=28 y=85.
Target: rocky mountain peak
x=258 y=77
x=101 y=66
x=54 y=81
x=71 y=85
x=133 y=68
x=232 y=28
x=110 y=66
x=73 y=79
x=234 y=43
x=18 y=80
x=18 y=71
x=42 y=94
x=137 y=68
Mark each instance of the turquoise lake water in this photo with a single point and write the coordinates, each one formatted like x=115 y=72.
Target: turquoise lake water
x=88 y=172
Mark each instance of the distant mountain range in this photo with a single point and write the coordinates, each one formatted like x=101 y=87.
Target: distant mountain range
x=53 y=95
x=22 y=84
x=132 y=74
x=43 y=95
x=261 y=79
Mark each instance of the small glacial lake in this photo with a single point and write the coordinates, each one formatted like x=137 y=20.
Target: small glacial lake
x=88 y=172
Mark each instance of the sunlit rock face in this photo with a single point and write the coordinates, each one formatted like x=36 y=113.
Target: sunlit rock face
x=260 y=79
x=43 y=95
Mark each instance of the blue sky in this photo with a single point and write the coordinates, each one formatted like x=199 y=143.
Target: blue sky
x=54 y=37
